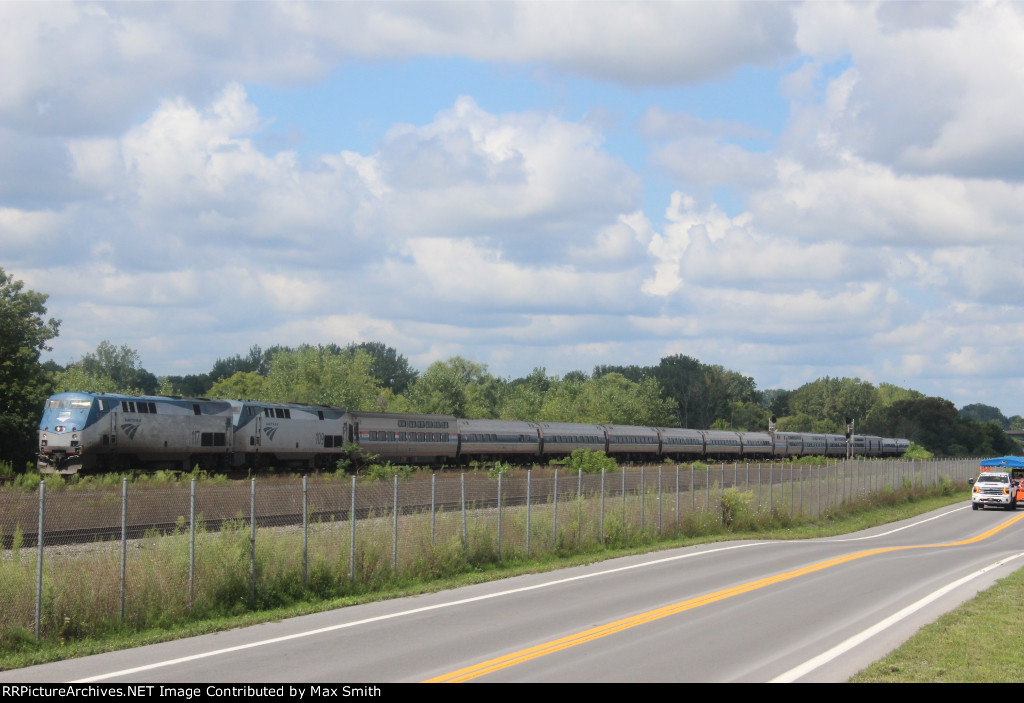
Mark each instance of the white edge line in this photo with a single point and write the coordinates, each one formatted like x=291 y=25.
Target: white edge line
x=342 y=626
x=825 y=657
x=898 y=529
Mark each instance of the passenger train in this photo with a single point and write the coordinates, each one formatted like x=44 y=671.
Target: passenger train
x=103 y=431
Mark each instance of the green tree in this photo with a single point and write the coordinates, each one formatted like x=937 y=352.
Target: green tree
x=243 y=385
x=24 y=384
x=190 y=386
x=389 y=367
x=831 y=400
x=608 y=399
x=323 y=376
x=456 y=387
x=523 y=398
x=256 y=361
x=980 y=412
x=109 y=369
x=935 y=424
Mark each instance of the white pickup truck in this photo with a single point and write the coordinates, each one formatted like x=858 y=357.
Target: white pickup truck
x=995 y=488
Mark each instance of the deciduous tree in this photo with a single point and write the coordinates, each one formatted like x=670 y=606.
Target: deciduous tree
x=24 y=385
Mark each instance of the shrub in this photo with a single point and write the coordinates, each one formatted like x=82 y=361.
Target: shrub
x=734 y=504
x=590 y=462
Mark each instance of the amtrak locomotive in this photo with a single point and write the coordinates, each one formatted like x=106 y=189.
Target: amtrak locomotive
x=103 y=431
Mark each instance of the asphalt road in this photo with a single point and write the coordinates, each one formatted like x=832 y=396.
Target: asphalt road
x=812 y=610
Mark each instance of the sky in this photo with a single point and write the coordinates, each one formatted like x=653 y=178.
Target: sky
x=789 y=190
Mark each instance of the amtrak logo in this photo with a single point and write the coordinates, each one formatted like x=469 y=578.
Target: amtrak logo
x=270 y=432
x=130 y=429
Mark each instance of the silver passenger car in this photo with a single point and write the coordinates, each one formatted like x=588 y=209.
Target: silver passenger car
x=491 y=440
x=682 y=445
x=638 y=443
x=559 y=439
x=406 y=437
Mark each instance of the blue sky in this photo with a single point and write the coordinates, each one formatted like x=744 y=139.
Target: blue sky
x=790 y=190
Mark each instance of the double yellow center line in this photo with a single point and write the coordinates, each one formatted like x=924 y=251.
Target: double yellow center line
x=524 y=655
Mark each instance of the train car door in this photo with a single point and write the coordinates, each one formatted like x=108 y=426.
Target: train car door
x=111 y=438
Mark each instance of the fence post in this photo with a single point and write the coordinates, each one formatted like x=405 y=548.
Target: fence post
x=352 y=534
x=707 y=488
x=759 y=487
x=252 y=542
x=394 y=538
x=499 y=514
x=659 y=500
x=305 y=533
x=433 y=503
x=191 y=543
x=39 y=556
x=528 y=508
x=602 y=505
x=643 y=496
x=124 y=539
x=623 y=501
x=465 y=539
x=677 y=498
x=554 y=521
x=579 y=508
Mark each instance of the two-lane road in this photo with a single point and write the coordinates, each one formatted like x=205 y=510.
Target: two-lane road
x=736 y=611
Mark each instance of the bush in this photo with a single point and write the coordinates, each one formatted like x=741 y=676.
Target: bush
x=916 y=451
x=591 y=462
x=386 y=471
x=734 y=505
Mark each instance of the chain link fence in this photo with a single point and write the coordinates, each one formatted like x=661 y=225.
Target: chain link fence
x=75 y=563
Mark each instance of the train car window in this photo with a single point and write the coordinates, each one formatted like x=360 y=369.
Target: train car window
x=401 y=436
x=422 y=436
x=152 y=408
x=196 y=410
x=401 y=423
x=266 y=412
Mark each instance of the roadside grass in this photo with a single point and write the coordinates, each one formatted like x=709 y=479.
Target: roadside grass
x=982 y=641
x=225 y=604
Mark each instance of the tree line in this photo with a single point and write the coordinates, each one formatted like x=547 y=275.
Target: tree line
x=680 y=391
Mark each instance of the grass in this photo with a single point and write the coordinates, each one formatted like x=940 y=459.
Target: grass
x=981 y=641
x=81 y=599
